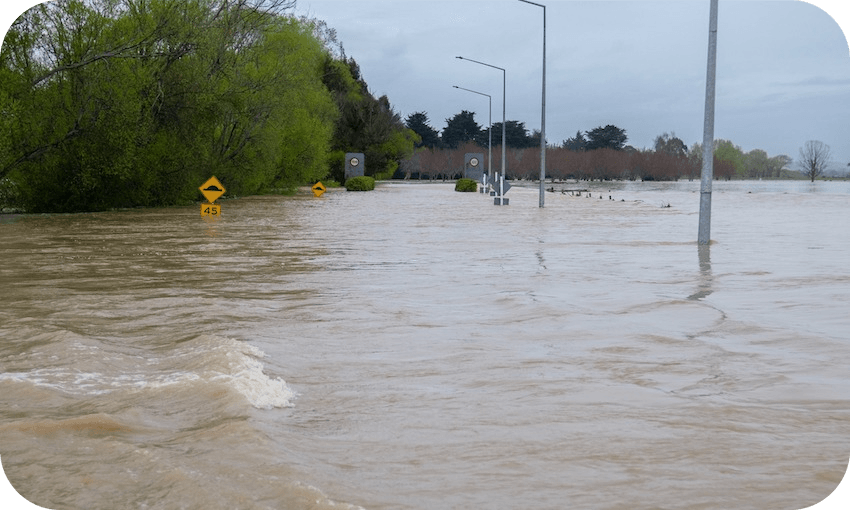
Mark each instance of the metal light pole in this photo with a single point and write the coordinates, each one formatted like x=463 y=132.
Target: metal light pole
x=543 y=114
x=489 y=132
x=504 y=141
x=704 y=236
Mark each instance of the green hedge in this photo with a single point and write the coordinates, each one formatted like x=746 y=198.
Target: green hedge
x=466 y=185
x=363 y=183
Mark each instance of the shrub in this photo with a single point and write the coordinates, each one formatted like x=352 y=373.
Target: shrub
x=466 y=185
x=362 y=183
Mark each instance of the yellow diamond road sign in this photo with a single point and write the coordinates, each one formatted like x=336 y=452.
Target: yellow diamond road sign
x=318 y=189
x=212 y=189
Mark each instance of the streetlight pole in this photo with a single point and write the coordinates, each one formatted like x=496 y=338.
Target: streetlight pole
x=704 y=235
x=504 y=141
x=489 y=132
x=543 y=114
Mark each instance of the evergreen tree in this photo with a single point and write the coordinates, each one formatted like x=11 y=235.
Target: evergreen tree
x=516 y=134
x=366 y=124
x=460 y=129
x=418 y=122
x=608 y=137
x=576 y=143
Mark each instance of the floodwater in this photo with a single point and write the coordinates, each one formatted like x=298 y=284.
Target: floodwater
x=417 y=348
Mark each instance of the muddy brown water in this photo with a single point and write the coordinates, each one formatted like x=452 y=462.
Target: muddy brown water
x=417 y=348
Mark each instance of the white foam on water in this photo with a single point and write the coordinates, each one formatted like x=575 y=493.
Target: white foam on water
x=244 y=372
x=90 y=369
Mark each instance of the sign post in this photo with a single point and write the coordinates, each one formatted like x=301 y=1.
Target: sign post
x=318 y=189
x=212 y=190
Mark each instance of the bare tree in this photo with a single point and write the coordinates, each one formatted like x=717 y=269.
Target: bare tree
x=814 y=156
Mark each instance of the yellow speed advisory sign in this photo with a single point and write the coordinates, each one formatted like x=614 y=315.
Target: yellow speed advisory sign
x=210 y=210
x=212 y=190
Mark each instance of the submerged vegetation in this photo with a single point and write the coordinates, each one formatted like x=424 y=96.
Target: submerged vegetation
x=361 y=183
x=123 y=103
x=466 y=185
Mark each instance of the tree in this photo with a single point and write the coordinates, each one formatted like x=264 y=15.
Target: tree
x=418 y=122
x=814 y=157
x=122 y=103
x=695 y=160
x=731 y=155
x=366 y=124
x=576 y=143
x=756 y=162
x=534 y=139
x=671 y=144
x=461 y=128
x=608 y=137
x=384 y=140
x=777 y=164
x=516 y=134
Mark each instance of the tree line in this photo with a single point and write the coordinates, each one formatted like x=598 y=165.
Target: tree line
x=561 y=164
x=462 y=128
x=123 y=103
x=599 y=153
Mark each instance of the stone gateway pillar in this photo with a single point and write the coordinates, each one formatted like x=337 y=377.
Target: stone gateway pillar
x=473 y=166
x=355 y=165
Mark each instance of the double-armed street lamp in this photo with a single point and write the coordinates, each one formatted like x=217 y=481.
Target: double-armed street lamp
x=543 y=114
x=489 y=131
x=504 y=81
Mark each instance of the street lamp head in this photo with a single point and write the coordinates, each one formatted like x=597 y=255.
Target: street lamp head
x=459 y=58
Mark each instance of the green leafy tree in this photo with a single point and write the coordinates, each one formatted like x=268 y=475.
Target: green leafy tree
x=695 y=160
x=120 y=103
x=728 y=160
x=79 y=79
x=366 y=124
x=776 y=165
x=732 y=155
x=756 y=164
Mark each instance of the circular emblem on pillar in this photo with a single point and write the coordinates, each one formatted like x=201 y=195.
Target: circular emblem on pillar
x=354 y=161
x=473 y=162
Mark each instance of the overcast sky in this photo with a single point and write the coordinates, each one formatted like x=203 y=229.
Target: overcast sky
x=783 y=66
x=783 y=73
